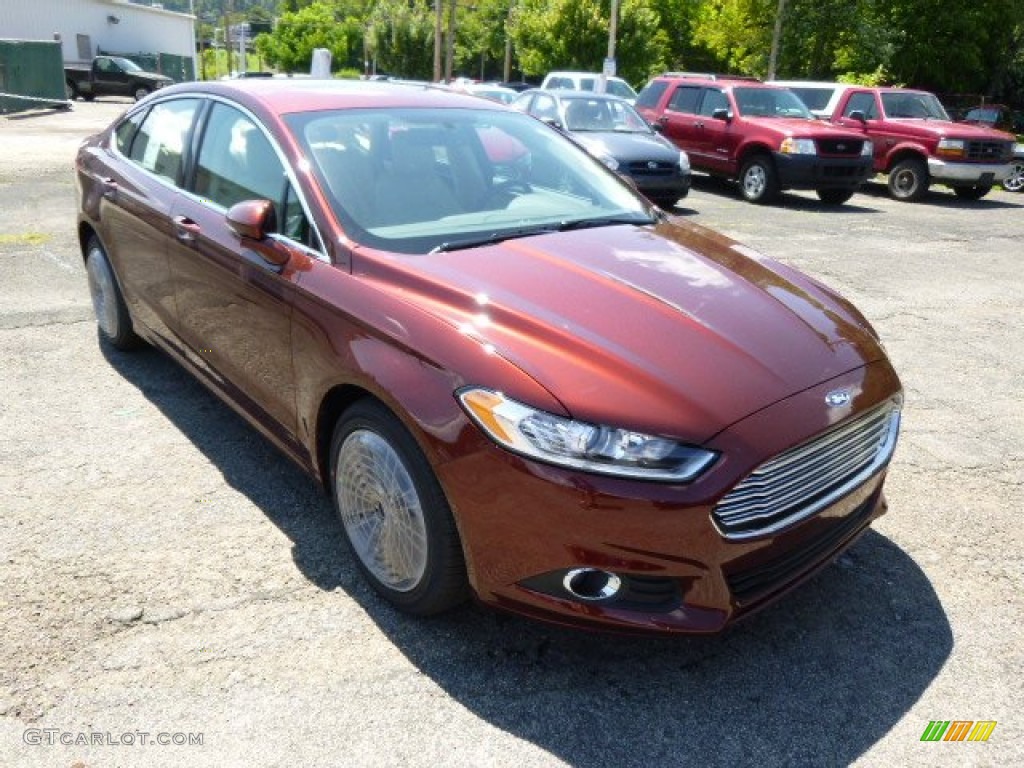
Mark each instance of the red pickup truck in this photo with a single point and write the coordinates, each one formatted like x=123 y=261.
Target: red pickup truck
x=917 y=144
x=759 y=134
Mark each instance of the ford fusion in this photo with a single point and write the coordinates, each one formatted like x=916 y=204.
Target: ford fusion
x=516 y=379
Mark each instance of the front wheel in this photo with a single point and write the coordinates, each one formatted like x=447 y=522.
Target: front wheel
x=759 y=182
x=908 y=180
x=115 y=324
x=394 y=514
x=1015 y=181
x=972 y=193
x=834 y=196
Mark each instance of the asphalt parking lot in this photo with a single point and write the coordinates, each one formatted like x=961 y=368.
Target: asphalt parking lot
x=167 y=574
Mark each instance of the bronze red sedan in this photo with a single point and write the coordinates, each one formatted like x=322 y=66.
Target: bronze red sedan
x=515 y=377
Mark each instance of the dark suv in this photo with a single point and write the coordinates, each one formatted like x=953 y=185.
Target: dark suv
x=759 y=134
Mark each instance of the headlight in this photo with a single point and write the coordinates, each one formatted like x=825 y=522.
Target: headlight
x=684 y=162
x=578 y=445
x=950 y=148
x=868 y=149
x=791 y=146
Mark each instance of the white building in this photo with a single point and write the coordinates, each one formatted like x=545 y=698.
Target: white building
x=86 y=26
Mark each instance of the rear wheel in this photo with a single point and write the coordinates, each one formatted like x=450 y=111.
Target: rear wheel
x=394 y=513
x=835 y=196
x=972 y=193
x=759 y=182
x=115 y=324
x=1015 y=181
x=908 y=180
x=141 y=92
x=71 y=90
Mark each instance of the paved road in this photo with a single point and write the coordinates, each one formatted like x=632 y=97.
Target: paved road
x=165 y=572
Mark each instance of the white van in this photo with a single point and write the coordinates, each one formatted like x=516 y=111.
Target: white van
x=820 y=97
x=587 y=81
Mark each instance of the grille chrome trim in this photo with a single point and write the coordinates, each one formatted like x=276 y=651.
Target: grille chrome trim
x=804 y=480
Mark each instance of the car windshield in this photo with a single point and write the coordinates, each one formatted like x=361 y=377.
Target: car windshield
x=983 y=115
x=770 y=102
x=603 y=115
x=620 y=89
x=126 y=64
x=913 y=105
x=417 y=180
x=812 y=97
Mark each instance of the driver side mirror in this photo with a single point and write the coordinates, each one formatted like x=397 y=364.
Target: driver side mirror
x=857 y=115
x=554 y=123
x=253 y=220
x=721 y=114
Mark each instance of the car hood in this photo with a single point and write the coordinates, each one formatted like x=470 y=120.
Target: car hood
x=679 y=327
x=944 y=128
x=799 y=128
x=628 y=147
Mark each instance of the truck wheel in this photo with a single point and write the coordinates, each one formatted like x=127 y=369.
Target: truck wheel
x=88 y=96
x=835 y=196
x=140 y=92
x=758 y=181
x=71 y=90
x=973 y=193
x=1015 y=181
x=908 y=180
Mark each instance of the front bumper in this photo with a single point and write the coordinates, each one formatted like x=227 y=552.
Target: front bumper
x=967 y=173
x=662 y=186
x=821 y=172
x=526 y=526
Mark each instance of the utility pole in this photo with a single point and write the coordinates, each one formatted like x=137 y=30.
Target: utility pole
x=437 y=41
x=508 y=43
x=449 y=58
x=773 y=58
x=609 y=68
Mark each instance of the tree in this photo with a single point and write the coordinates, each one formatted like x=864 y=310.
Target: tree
x=290 y=46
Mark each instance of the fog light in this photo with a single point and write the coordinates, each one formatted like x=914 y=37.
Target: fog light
x=591 y=584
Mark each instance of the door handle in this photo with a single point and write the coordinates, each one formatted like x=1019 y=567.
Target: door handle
x=185 y=229
x=109 y=187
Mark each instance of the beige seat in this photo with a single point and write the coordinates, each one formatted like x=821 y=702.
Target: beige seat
x=411 y=188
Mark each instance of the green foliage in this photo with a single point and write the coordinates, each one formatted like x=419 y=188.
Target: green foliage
x=573 y=34
x=290 y=46
x=402 y=37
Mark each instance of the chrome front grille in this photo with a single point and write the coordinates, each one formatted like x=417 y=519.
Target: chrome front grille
x=804 y=480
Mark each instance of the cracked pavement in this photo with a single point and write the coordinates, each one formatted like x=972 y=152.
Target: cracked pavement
x=165 y=570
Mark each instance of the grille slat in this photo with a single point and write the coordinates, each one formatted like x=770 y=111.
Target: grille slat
x=762 y=488
x=804 y=480
x=989 y=151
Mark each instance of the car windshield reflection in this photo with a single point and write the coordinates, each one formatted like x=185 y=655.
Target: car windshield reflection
x=413 y=180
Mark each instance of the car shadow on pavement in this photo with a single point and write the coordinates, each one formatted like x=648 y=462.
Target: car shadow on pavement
x=945 y=198
x=788 y=199
x=816 y=679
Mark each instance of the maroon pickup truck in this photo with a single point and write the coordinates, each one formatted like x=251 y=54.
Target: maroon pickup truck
x=759 y=134
x=917 y=144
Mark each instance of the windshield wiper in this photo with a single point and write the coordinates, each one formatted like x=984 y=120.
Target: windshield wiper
x=491 y=239
x=607 y=221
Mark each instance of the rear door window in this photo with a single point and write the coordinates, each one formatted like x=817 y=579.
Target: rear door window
x=159 y=144
x=685 y=99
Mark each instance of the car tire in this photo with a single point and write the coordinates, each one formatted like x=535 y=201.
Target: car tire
x=908 y=180
x=112 y=318
x=834 y=196
x=972 y=193
x=71 y=90
x=1015 y=181
x=394 y=514
x=759 y=183
x=141 y=92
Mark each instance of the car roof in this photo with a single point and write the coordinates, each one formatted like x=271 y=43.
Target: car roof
x=700 y=78
x=284 y=96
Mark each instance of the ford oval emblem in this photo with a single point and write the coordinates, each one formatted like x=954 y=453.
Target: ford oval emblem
x=841 y=147
x=837 y=398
